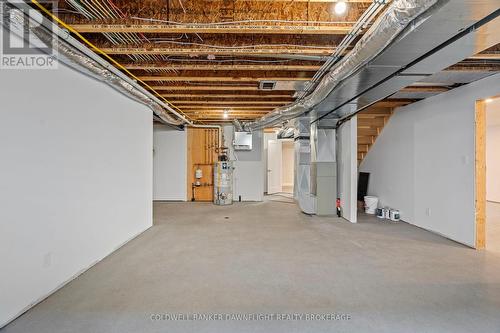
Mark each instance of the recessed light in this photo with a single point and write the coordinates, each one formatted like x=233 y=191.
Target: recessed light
x=489 y=100
x=340 y=7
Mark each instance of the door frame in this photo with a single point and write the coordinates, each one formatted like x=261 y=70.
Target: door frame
x=480 y=172
x=280 y=160
x=480 y=175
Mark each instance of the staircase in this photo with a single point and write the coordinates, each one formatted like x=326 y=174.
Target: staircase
x=370 y=125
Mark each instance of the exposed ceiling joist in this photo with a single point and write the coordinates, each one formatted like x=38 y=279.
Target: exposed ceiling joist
x=235 y=96
x=219 y=114
x=390 y=103
x=277 y=52
x=313 y=1
x=196 y=107
x=220 y=78
x=425 y=89
x=220 y=67
x=486 y=56
x=207 y=88
x=338 y=29
x=184 y=102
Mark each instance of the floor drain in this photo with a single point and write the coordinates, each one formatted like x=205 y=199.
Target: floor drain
x=226 y=217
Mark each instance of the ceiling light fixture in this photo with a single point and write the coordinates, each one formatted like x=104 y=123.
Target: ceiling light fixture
x=226 y=114
x=489 y=100
x=340 y=7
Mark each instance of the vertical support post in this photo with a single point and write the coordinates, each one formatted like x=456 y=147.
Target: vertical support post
x=348 y=168
x=480 y=173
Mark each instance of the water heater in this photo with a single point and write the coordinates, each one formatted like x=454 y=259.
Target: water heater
x=223 y=183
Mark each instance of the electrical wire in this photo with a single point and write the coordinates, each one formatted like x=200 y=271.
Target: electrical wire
x=197 y=24
x=104 y=54
x=159 y=41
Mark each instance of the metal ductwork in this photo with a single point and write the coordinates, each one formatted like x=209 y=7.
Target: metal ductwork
x=386 y=28
x=411 y=40
x=447 y=34
x=72 y=57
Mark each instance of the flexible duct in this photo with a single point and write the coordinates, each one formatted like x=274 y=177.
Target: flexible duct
x=385 y=29
x=73 y=58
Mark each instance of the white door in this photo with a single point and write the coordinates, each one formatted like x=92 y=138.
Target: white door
x=274 y=161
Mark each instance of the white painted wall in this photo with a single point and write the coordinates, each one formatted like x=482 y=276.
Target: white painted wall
x=288 y=162
x=348 y=169
x=76 y=179
x=169 y=164
x=423 y=162
x=493 y=150
x=249 y=167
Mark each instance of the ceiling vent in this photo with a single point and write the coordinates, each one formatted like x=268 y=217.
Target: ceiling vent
x=267 y=85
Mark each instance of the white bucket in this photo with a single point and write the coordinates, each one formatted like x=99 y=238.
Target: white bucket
x=371 y=204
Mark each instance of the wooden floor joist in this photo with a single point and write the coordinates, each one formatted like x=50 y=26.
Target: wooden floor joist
x=221 y=78
x=486 y=56
x=219 y=67
x=197 y=107
x=425 y=89
x=210 y=103
x=232 y=96
x=220 y=113
x=206 y=88
x=174 y=51
x=336 y=29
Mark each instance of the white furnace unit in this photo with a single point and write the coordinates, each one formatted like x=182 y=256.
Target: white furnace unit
x=242 y=141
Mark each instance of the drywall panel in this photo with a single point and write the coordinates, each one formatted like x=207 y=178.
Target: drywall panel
x=249 y=167
x=348 y=169
x=248 y=181
x=493 y=150
x=76 y=179
x=288 y=158
x=423 y=161
x=169 y=164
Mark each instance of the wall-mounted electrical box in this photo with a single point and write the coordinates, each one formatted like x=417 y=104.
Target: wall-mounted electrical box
x=242 y=141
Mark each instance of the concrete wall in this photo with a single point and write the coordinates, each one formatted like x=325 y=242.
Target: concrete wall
x=76 y=179
x=348 y=168
x=249 y=172
x=169 y=164
x=423 y=162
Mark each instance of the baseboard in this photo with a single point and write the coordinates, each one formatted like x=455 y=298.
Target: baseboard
x=39 y=300
x=161 y=200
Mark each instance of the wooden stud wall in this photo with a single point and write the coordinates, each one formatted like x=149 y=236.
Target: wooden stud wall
x=201 y=152
x=480 y=173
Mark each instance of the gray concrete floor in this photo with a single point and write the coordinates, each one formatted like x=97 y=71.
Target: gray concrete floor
x=270 y=258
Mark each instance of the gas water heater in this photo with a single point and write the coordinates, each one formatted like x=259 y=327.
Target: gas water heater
x=223 y=183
